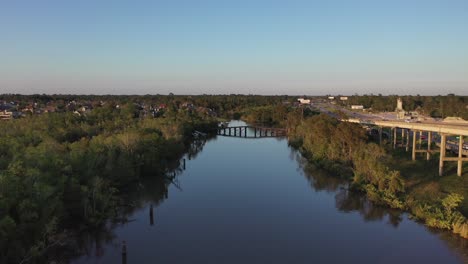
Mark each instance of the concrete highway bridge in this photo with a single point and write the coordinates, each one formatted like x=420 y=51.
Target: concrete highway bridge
x=433 y=130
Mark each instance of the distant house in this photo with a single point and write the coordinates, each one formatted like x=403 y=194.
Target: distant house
x=6 y=115
x=343 y=98
x=357 y=107
x=303 y=101
x=187 y=105
x=50 y=109
x=331 y=97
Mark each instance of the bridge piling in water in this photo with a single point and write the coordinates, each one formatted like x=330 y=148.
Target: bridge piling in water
x=242 y=131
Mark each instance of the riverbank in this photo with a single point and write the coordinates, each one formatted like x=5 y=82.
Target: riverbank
x=387 y=178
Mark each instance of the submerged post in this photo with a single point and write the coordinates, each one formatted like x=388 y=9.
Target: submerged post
x=183 y=163
x=124 y=252
x=151 y=215
x=443 y=139
x=460 y=150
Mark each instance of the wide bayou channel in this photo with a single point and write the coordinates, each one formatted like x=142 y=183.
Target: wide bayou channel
x=253 y=201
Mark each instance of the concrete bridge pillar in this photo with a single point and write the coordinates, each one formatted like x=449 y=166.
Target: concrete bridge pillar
x=402 y=136
x=407 y=139
x=380 y=135
x=443 y=141
x=429 y=141
x=245 y=131
x=394 y=137
x=413 y=153
x=420 y=138
x=460 y=152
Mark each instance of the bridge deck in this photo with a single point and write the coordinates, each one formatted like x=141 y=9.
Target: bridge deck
x=453 y=129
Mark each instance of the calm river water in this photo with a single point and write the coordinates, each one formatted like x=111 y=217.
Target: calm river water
x=252 y=201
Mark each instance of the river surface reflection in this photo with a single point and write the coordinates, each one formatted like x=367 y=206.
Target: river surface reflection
x=256 y=201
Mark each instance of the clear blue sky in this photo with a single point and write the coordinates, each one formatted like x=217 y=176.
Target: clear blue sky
x=241 y=46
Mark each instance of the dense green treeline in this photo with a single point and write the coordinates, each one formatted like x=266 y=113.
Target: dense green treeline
x=280 y=115
x=223 y=105
x=435 y=106
x=61 y=170
x=343 y=147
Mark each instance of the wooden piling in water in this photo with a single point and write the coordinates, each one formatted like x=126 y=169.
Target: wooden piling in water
x=124 y=252
x=151 y=215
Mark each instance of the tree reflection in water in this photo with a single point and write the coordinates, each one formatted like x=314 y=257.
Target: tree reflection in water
x=349 y=201
x=149 y=189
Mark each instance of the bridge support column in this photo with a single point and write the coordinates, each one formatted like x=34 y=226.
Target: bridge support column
x=380 y=135
x=420 y=138
x=429 y=141
x=255 y=132
x=407 y=139
x=402 y=136
x=394 y=137
x=413 y=153
x=443 y=141
x=245 y=131
x=460 y=152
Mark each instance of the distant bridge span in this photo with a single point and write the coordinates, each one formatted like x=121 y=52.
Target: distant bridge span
x=258 y=132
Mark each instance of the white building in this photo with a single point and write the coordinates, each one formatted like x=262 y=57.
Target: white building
x=304 y=101
x=343 y=98
x=357 y=107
